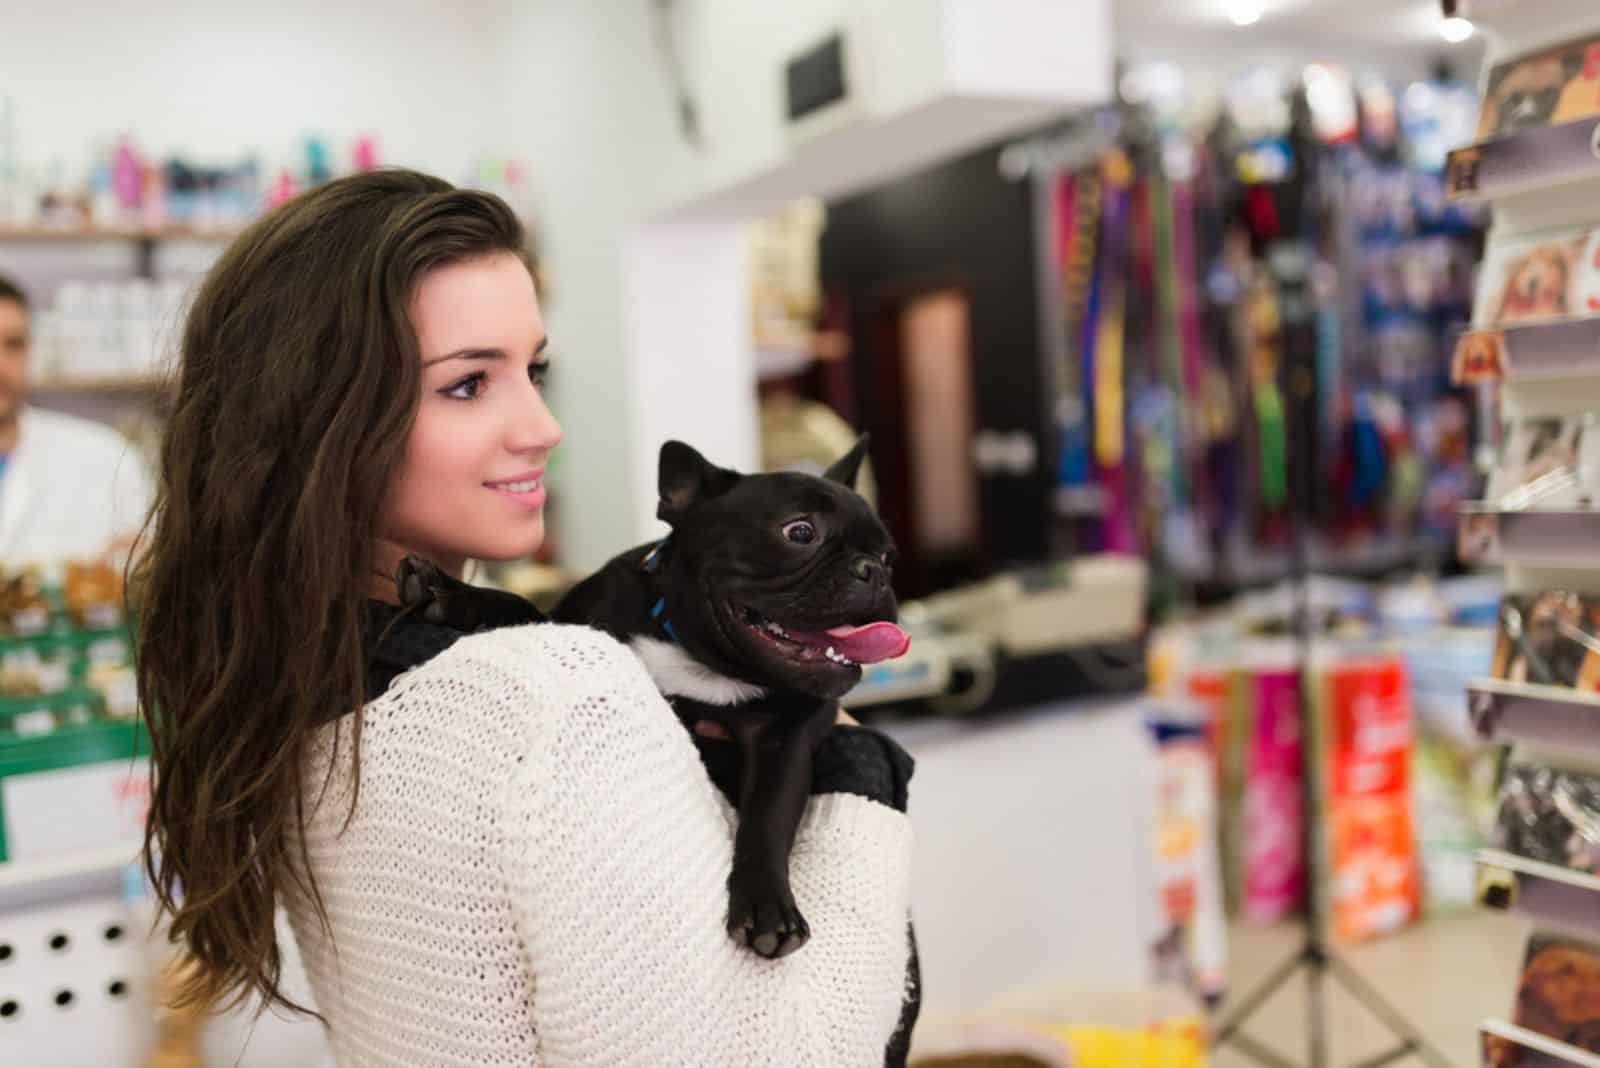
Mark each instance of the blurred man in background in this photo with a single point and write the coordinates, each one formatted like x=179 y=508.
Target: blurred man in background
x=69 y=488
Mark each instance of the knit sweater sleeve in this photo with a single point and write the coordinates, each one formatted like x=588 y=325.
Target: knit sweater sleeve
x=616 y=855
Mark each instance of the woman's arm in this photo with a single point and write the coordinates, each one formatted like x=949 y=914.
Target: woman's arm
x=617 y=855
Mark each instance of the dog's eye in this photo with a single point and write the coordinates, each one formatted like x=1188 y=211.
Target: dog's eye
x=801 y=532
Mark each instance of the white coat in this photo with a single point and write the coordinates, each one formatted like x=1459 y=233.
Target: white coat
x=70 y=488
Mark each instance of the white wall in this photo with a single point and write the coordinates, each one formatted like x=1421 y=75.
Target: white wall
x=227 y=77
x=587 y=86
x=580 y=88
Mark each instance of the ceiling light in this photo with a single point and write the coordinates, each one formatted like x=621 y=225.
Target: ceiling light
x=1244 y=12
x=1455 y=29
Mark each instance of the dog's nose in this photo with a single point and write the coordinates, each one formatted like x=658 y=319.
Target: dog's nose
x=867 y=570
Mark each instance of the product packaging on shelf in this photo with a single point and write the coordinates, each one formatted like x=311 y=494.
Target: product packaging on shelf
x=1274 y=853
x=1192 y=949
x=1372 y=851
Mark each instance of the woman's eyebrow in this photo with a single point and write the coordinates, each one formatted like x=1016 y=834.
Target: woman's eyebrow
x=481 y=354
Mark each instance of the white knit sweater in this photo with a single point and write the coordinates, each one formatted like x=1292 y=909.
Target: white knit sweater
x=535 y=875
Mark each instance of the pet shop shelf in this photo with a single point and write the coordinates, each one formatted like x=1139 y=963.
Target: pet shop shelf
x=81 y=873
x=1549 y=1050
x=1560 y=349
x=1555 y=716
x=1568 y=538
x=1549 y=894
x=77 y=234
x=1533 y=161
x=97 y=385
x=79 y=788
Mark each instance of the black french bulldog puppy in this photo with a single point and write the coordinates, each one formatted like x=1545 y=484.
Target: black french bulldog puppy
x=755 y=613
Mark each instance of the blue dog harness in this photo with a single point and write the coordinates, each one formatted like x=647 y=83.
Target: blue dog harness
x=652 y=564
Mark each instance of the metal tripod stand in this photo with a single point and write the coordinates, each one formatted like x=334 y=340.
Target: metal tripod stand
x=1318 y=959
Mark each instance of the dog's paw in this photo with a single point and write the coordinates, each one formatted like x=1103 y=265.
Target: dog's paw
x=767 y=922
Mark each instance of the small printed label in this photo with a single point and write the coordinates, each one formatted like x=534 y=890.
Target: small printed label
x=90 y=807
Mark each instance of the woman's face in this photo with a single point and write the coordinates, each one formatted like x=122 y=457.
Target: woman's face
x=471 y=483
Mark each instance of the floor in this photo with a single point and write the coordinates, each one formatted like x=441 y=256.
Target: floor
x=1443 y=976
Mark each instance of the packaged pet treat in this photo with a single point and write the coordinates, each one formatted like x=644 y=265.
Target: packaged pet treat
x=24 y=609
x=1274 y=855
x=93 y=594
x=1192 y=948
x=1552 y=815
x=1375 y=883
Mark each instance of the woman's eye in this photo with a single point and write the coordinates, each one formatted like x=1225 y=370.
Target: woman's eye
x=466 y=389
x=801 y=532
x=539 y=372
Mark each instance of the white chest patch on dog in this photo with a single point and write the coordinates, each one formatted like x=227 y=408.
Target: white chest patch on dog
x=677 y=674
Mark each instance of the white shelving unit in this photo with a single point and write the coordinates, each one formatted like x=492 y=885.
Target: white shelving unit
x=1539 y=180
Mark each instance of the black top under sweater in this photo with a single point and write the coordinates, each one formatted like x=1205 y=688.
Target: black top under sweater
x=851 y=760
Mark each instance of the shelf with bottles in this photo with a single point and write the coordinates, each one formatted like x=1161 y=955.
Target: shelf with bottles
x=107 y=385
x=43 y=233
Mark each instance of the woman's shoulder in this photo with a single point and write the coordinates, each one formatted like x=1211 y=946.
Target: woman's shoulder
x=559 y=653
x=539 y=668
x=487 y=697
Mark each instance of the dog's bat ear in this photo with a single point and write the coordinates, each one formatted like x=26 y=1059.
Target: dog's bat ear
x=685 y=478
x=847 y=467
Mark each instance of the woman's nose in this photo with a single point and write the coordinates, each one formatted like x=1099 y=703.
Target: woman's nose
x=534 y=427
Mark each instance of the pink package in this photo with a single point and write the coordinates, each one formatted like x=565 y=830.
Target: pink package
x=1274 y=858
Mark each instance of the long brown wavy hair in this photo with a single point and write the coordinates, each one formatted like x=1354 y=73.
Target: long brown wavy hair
x=296 y=387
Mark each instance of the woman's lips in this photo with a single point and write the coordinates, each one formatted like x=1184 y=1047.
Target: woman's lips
x=525 y=490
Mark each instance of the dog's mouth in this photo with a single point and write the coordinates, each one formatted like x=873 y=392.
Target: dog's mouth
x=845 y=646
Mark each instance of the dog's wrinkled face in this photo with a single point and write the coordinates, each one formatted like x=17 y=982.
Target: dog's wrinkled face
x=779 y=579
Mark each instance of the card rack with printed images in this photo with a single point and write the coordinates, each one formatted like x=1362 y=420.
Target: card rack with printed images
x=1536 y=278
x=1535 y=338
x=1536 y=312
x=1549 y=638
x=1542 y=501
x=1539 y=124
x=1505 y=1045
x=1552 y=349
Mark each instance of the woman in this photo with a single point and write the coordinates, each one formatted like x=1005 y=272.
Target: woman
x=498 y=848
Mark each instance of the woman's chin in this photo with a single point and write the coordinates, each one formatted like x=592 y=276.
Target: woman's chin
x=505 y=550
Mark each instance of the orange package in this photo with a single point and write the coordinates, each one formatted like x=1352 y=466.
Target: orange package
x=1376 y=887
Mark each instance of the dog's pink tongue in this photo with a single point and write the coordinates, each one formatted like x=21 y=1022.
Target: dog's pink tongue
x=871 y=643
